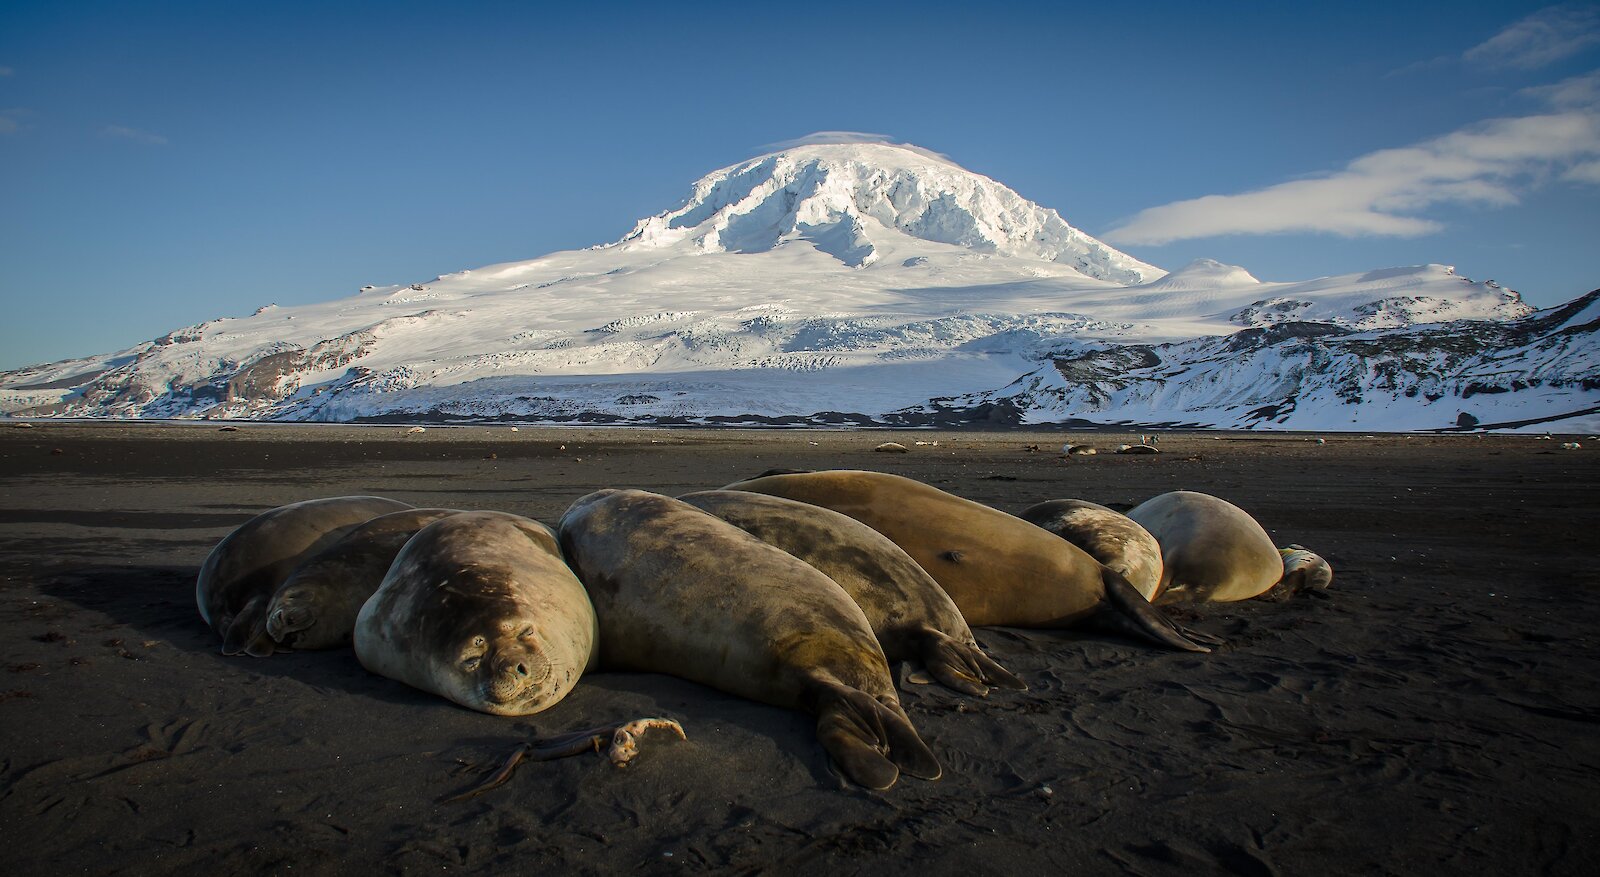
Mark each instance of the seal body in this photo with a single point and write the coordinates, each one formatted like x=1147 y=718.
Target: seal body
x=679 y=591
x=1109 y=536
x=998 y=568
x=316 y=606
x=912 y=617
x=1211 y=550
x=240 y=575
x=480 y=608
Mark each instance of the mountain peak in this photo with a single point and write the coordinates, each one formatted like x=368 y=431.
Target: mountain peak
x=859 y=201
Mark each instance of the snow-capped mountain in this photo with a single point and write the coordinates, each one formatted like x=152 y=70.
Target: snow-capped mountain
x=863 y=283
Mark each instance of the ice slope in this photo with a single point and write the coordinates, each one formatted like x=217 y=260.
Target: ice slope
x=824 y=283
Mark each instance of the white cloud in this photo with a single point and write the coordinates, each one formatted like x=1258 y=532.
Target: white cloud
x=1568 y=94
x=120 y=132
x=1488 y=164
x=824 y=137
x=1547 y=36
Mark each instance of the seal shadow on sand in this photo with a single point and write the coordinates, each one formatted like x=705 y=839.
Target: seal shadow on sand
x=157 y=601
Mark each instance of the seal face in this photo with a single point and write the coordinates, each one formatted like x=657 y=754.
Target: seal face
x=912 y=617
x=679 y=591
x=1211 y=550
x=1109 y=536
x=998 y=568
x=316 y=606
x=240 y=575
x=479 y=608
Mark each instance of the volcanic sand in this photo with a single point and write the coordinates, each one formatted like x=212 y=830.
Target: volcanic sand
x=1435 y=711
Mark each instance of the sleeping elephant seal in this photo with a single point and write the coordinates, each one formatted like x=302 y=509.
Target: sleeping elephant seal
x=679 y=591
x=316 y=606
x=240 y=575
x=1109 y=536
x=911 y=615
x=1211 y=550
x=1304 y=570
x=480 y=608
x=998 y=568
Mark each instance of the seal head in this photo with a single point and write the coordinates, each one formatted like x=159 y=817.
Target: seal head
x=480 y=608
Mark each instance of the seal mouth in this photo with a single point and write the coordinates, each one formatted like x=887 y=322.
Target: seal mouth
x=521 y=680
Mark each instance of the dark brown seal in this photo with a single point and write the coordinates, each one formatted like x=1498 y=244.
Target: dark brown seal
x=679 y=591
x=998 y=568
x=913 y=618
x=240 y=575
x=480 y=608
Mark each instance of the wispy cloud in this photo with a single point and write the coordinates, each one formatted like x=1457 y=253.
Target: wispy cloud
x=1546 y=36
x=6 y=71
x=11 y=120
x=121 y=132
x=1488 y=163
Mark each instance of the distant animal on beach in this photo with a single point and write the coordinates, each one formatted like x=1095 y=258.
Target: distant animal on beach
x=1109 y=536
x=1212 y=551
x=480 y=608
x=316 y=606
x=682 y=592
x=998 y=568
x=240 y=575
x=913 y=618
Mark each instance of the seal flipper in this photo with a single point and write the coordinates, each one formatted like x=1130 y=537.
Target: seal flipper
x=247 y=634
x=962 y=666
x=1128 y=612
x=870 y=742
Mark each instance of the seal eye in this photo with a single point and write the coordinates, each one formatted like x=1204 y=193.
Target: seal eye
x=471 y=663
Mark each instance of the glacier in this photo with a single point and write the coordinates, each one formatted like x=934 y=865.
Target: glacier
x=866 y=283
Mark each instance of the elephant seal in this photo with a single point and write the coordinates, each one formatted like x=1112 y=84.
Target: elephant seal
x=480 y=608
x=1211 y=550
x=316 y=606
x=240 y=575
x=910 y=614
x=1109 y=536
x=998 y=568
x=679 y=591
x=1304 y=570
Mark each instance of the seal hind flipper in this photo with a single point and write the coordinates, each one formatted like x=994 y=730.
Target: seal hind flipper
x=963 y=666
x=1129 y=613
x=247 y=633
x=870 y=742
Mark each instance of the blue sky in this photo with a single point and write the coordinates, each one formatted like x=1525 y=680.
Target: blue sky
x=167 y=163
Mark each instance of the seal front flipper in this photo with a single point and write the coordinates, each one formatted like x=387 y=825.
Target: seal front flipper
x=870 y=742
x=963 y=666
x=1127 y=612
x=247 y=634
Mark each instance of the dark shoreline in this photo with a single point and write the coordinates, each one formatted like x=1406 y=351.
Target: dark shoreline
x=1432 y=713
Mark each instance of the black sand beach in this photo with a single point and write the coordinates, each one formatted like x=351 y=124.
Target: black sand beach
x=1434 y=712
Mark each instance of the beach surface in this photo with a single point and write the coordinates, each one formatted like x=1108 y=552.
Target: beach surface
x=1435 y=711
